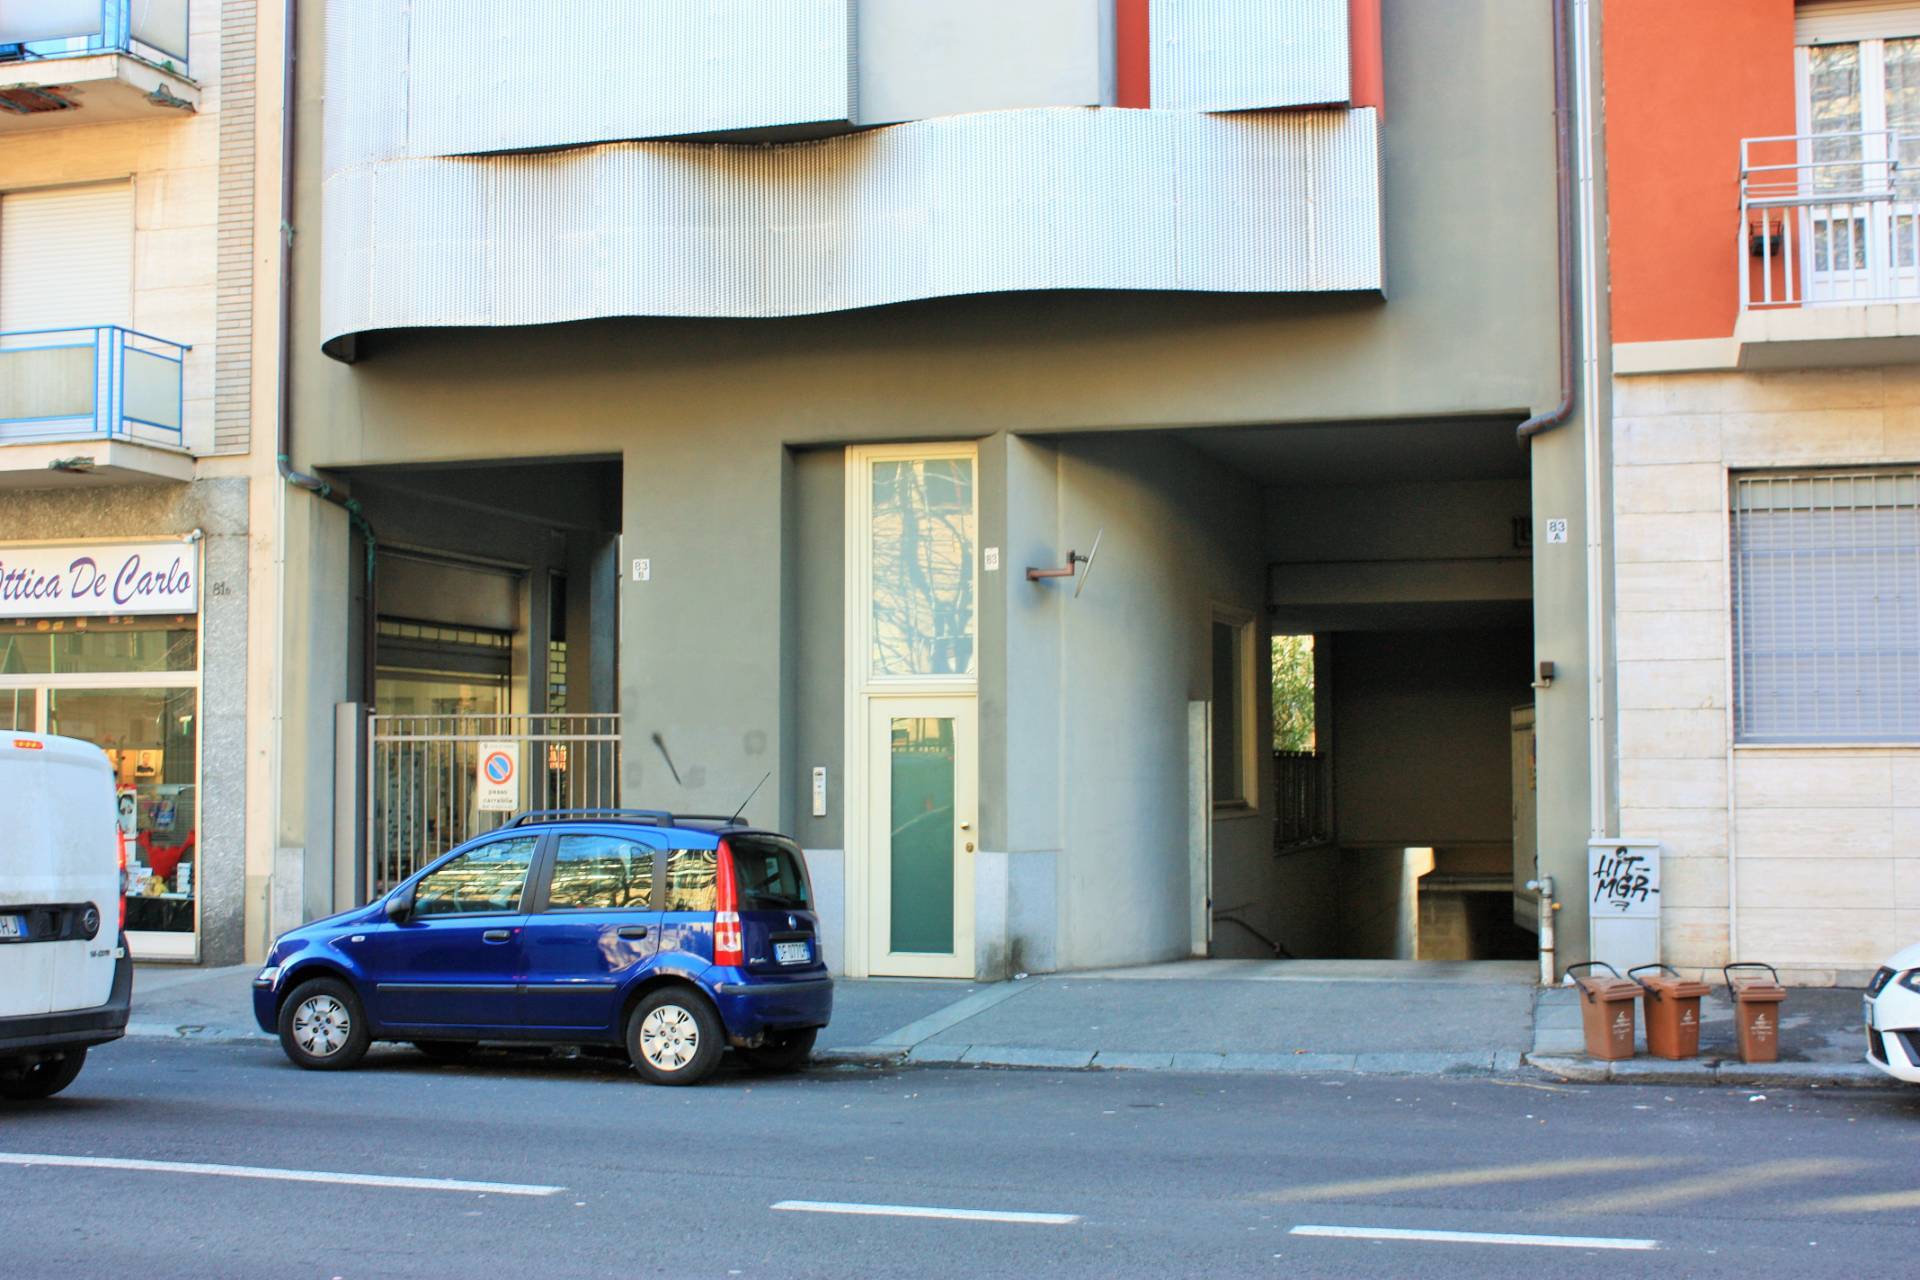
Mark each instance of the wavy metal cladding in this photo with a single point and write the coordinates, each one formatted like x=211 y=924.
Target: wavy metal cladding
x=1055 y=198
x=1245 y=55
x=462 y=77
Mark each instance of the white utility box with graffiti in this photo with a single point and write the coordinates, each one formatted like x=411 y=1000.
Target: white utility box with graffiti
x=1623 y=902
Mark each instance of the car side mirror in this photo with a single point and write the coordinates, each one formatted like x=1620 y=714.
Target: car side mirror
x=400 y=905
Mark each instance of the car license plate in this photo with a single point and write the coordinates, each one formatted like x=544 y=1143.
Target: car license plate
x=790 y=952
x=13 y=926
x=1867 y=1004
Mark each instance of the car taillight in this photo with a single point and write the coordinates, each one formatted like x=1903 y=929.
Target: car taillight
x=121 y=839
x=728 y=945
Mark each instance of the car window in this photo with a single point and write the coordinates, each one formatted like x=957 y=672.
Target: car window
x=600 y=873
x=490 y=878
x=770 y=873
x=690 y=879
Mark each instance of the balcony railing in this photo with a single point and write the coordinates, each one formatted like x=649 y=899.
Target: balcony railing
x=104 y=383
x=155 y=30
x=1827 y=219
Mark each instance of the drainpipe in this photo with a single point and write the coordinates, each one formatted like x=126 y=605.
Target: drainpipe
x=1578 y=273
x=1563 y=186
x=283 y=454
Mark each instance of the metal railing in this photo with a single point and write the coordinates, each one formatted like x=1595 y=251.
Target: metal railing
x=423 y=780
x=155 y=30
x=1829 y=218
x=1299 y=818
x=103 y=383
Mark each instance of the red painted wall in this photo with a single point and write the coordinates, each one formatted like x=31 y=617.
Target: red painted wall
x=1366 y=72
x=1133 y=54
x=1684 y=83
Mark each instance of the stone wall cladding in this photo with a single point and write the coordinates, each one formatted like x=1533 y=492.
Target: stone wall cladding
x=1827 y=839
x=218 y=508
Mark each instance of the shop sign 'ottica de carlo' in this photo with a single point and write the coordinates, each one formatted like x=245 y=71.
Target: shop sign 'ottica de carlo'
x=98 y=580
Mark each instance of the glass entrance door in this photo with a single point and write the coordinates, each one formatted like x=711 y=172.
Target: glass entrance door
x=923 y=792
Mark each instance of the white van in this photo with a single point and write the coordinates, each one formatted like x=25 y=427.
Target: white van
x=65 y=977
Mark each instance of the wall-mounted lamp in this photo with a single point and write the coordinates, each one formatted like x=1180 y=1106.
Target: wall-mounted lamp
x=1546 y=676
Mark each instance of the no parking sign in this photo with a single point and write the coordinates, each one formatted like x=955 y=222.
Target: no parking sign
x=497 y=787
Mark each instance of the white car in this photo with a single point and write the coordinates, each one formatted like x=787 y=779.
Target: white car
x=1893 y=1017
x=65 y=979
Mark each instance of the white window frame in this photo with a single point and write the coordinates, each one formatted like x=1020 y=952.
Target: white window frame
x=1881 y=278
x=1246 y=749
x=863 y=687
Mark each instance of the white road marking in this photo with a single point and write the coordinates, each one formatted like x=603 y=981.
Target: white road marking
x=1475 y=1237
x=279 y=1175
x=924 y=1211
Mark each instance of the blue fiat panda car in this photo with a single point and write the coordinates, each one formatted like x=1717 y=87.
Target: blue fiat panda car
x=673 y=938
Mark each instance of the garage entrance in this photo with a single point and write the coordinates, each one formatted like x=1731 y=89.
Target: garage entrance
x=1397 y=650
x=493 y=621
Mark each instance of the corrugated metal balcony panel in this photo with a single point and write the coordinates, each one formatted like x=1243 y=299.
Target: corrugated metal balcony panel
x=1043 y=199
x=1245 y=55
x=1278 y=196
x=365 y=83
x=463 y=77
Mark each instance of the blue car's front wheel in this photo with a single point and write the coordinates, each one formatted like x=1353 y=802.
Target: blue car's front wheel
x=322 y=1026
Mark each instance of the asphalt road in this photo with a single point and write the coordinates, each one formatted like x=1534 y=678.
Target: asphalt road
x=1149 y=1174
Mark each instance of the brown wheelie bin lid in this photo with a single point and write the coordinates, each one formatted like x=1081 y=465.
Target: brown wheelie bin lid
x=1668 y=985
x=1754 y=990
x=1604 y=987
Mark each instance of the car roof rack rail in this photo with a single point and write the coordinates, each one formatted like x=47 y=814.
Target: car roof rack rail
x=648 y=817
x=643 y=817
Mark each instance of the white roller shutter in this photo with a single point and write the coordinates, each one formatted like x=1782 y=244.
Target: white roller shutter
x=66 y=257
x=1844 y=21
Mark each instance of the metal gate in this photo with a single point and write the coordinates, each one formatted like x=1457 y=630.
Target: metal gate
x=422 y=780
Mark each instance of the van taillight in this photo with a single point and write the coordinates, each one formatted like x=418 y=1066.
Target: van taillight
x=121 y=839
x=728 y=945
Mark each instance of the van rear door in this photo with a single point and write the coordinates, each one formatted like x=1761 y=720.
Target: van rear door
x=59 y=876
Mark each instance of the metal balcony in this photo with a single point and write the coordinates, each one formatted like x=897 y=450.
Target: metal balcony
x=88 y=61
x=1829 y=219
x=115 y=390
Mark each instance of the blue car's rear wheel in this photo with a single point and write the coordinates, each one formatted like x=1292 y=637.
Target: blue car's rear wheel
x=322 y=1026
x=675 y=1037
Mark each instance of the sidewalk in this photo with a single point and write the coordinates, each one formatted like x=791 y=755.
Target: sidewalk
x=1287 y=1017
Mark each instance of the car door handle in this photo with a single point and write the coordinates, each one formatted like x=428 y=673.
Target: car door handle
x=634 y=932
x=497 y=935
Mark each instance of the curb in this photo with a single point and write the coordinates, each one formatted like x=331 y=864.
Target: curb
x=1505 y=1062
x=1698 y=1072
x=195 y=1032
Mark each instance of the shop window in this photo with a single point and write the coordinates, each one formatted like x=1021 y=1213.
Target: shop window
x=96 y=646
x=1826 y=607
x=151 y=740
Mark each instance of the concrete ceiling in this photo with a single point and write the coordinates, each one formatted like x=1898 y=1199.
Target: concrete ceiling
x=1367 y=453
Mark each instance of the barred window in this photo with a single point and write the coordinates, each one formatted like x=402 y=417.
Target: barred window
x=1826 y=607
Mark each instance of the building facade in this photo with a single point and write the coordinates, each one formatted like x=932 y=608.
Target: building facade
x=1764 y=461
x=929 y=421
x=134 y=366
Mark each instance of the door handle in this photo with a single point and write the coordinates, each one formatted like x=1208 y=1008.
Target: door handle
x=497 y=935
x=634 y=932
